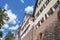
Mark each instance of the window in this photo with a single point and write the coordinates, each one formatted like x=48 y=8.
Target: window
x=43 y=5
x=38 y=24
x=39 y=2
x=40 y=35
x=42 y=20
x=25 y=24
x=47 y=1
x=26 y=29
x=59 y=15
x=37 y=14
x=50 y=12
x=58 y=2
x=41 y=9
x=33 y=20
x=55 y=6
x=37 y=5
x=22 y=28
x=45 y=16
x=18 y=33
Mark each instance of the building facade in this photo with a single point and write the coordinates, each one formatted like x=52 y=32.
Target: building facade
x=40 y=25
x=25 y=26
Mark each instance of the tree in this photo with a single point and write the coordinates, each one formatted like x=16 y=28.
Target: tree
x=9 y=36
x=0 y=33
x=3 y=16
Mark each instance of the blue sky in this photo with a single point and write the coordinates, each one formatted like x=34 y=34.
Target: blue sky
x=15 y=10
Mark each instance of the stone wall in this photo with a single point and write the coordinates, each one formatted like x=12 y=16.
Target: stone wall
x=53 y=32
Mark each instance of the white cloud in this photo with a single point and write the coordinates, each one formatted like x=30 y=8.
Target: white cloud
x=4 y=34
x=14 y=22
x=5 y=25
x=1 y=29
x=18 y=21
x=11 y=15
x=14 y=27
x=22 y=1
x=29 y=9
x=12 y=32
x=6 y=6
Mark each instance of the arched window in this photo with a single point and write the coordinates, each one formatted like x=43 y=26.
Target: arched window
x=42 y=20
x=40 y=35
x=58 y=2
x=45 y=16
x=51 y=10
x=38 y=23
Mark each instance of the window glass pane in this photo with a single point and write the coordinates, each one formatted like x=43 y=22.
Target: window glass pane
x=40 y=35
x=39 y=2
x=37 y=14
x=41 y=9
x=49 y=13
x=46 y=2
x=38 y=24
x=42 y=20
x=55 y=6
x=25 y=30
x=43 y=5
x=45 y=16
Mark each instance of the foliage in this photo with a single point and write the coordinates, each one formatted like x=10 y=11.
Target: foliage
x=3 y=16
x=9 y=36
x=0 y=33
